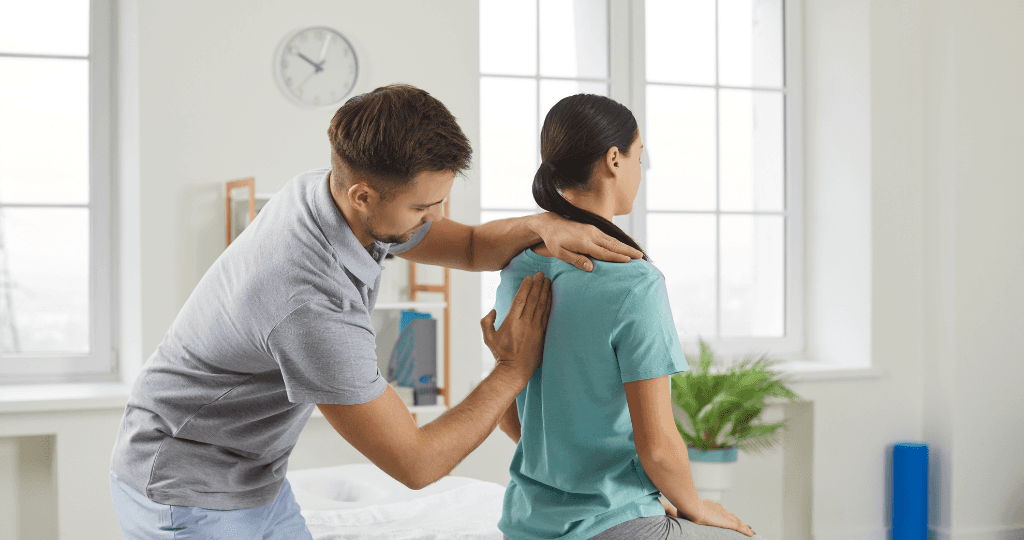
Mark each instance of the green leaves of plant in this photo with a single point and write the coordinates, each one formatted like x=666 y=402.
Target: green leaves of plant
x=721 y=408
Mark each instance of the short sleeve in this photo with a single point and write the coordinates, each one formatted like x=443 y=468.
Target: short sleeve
x=644 y=335
x=413 y=242
x=327 y=355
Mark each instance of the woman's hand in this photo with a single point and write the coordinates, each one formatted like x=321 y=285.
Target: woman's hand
x=715 y=515
x=572 y=242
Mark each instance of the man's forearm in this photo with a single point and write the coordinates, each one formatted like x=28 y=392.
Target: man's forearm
x=446 y=441
x=495 y=243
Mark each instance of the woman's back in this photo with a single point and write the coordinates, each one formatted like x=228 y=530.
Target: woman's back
x=576 y=472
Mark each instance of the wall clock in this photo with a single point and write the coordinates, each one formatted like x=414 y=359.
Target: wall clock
x=316 y=67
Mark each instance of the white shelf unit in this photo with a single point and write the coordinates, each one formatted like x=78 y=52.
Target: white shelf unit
x=411 y=305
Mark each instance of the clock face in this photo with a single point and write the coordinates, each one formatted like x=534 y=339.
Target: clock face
x=316 y=67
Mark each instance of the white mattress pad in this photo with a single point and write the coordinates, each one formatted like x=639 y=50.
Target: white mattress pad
x=361 y=502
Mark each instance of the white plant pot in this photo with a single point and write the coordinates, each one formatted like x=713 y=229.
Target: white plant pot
x=713 y=480
x=713 y=473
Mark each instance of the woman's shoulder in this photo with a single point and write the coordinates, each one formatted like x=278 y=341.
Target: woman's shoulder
x=614 y=275
x=632 y=271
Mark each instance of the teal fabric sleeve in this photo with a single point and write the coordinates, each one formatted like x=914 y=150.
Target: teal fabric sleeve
x=644 y=336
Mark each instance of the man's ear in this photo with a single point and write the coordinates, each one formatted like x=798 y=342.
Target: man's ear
x=362 y=197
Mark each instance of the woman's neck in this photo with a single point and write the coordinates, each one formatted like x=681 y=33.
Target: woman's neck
x=594 y=201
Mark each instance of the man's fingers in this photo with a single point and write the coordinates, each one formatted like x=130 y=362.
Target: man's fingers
x=519 y=302
x=544 y=298
x=487 y=325
x=611 y=250
x=577 y=260
x=534 y=298
x=605 y=254
x=620 y=248
x=547 y=305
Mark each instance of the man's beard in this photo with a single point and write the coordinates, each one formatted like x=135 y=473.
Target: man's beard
x=389 y=238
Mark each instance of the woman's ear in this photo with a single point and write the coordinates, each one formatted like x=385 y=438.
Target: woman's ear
x=613 y=161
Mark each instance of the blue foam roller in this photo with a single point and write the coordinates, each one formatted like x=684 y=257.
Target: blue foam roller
x=910 y=491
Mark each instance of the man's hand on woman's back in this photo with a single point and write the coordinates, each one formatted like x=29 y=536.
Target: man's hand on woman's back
x=519 y=343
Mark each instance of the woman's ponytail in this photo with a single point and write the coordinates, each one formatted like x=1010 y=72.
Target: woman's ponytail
x=545 y=191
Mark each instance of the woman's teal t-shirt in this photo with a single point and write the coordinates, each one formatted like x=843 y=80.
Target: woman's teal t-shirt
x=575 y=472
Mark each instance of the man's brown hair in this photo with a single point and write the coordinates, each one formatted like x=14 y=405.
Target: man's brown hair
x=395 y=132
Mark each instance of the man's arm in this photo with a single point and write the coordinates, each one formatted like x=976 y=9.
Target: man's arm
x=383 y=429
x=492 y=245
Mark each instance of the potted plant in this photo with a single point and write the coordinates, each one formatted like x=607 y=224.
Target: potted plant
x=721 y=410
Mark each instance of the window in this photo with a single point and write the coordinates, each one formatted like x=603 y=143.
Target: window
x=54 y=190
x=719 y=214
x=532 y=54
x=707 y=82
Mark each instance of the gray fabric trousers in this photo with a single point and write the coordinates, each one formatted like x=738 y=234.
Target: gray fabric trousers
x=668 y=528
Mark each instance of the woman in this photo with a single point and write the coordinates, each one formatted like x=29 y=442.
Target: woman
x=596 y=438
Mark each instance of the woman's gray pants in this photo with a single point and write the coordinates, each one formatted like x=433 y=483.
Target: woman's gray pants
x=668 y=528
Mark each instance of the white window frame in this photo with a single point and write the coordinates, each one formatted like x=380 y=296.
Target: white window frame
x=100 y=363
x=629 y=84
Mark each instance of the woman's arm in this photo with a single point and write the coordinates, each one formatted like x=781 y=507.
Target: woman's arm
x=663 y=455
x=660 y=447
x=509 y=422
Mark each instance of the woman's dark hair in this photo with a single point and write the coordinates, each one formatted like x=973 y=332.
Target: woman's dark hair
x=577 y=133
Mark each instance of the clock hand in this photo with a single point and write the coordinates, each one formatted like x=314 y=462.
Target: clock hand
x=308 y=77
x=312 y=63
x=323 y=50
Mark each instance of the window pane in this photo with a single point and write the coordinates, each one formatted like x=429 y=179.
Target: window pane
x=508 y=142
x=45 y=27
x=753 y=276
x=680 y=141
x=508 y=37
x=44 y=130
x=752 y=150
x=750 y=43
x=682 y=246
x=44 y=293
x=680 y=41
x=574 y=38
x=551 y=92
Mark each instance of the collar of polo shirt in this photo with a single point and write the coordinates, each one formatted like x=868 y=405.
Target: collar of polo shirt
x=347 y=250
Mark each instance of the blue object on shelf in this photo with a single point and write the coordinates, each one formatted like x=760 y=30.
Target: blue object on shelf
x=910 y=491
x=413 y=361
x=409 y=316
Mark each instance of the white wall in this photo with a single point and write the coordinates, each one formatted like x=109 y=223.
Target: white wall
x=210 y=111
x=973 y=371
x=913 y=114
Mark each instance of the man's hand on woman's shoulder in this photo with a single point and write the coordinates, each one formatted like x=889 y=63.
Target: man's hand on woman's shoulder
x=573 y=242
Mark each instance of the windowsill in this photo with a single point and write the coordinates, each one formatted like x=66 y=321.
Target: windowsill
x=62 y=397
x=97 y=396
x=811 y=371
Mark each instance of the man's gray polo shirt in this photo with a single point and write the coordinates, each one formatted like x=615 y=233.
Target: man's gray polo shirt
x=280 y=322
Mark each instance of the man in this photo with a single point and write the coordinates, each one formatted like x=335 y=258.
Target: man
x=281 y=322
